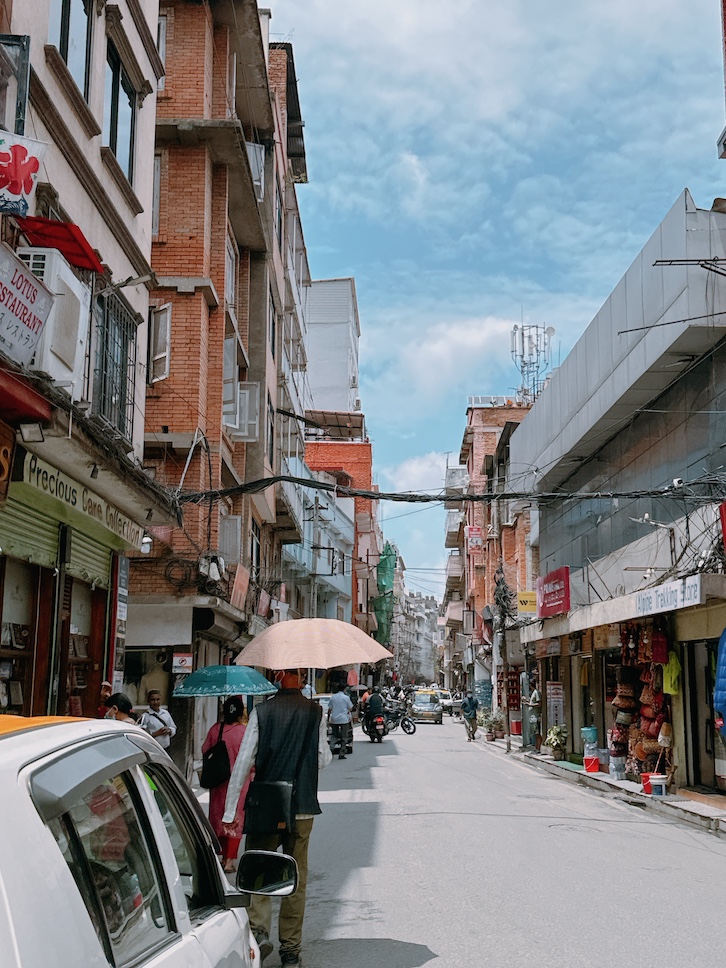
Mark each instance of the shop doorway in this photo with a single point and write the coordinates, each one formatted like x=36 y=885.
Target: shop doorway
x=700 y=664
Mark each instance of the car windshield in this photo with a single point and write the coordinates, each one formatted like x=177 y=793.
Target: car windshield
x=444 y=695
x=424 y=698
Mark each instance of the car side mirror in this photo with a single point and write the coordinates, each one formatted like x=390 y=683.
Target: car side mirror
x=267 y=872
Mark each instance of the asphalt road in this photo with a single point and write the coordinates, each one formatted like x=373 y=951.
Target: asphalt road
x=432 y=850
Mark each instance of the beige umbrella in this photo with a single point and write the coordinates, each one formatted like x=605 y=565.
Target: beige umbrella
x=311 y=643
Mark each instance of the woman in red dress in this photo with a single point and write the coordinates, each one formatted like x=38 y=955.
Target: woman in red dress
x=234 y=718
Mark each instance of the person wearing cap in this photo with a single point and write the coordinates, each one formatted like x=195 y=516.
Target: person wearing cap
x=286 y=740
x=106 y=691
x=469 y=707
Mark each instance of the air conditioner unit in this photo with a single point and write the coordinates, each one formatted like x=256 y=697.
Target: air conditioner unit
x=63 y=344
x=353 y=382
x=356 y=404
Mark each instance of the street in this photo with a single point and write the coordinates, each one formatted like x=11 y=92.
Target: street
x=432 y=849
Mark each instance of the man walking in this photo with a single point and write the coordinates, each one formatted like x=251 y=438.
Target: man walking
x=339 y=711
x=469 y=707
x=286 y=739
x=158 y=721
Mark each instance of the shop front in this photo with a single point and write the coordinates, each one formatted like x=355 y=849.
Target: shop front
x=164 y=642
x=60 y=543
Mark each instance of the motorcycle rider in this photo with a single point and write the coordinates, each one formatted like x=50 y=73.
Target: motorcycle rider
x=374 y=706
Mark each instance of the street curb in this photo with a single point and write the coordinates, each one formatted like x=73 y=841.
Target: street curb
x=690 y=812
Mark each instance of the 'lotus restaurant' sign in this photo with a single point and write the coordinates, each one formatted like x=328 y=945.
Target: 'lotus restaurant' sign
x=553 y=593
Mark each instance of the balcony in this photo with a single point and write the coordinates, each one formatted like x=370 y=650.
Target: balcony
x=454 y=614
x=289 y=502
x=457 y=483
x=454 y=529
x=454 y=572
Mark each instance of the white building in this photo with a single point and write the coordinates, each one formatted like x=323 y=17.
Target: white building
x=333 y=337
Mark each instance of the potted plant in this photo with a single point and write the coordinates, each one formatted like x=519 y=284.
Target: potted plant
x=556 y=740
x=497 y=723
x=486 y=722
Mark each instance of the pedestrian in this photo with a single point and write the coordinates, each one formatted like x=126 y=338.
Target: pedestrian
x=339 y=716
x=308 y=690
x=535 y=711
x=286 y=740
x=469 y=707
x=231 y=732
x=118 y=707
x=106 y=691
x=158 y=721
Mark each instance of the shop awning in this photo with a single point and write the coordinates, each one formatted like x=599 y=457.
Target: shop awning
x=19 y=401
x=49 y=233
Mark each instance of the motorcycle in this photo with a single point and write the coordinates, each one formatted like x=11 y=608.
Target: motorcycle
x=396 y=714
x=375 y=728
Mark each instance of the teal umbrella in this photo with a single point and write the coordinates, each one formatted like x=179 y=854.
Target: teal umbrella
x=225 y=680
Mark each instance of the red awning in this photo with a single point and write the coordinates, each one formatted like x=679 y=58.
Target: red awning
x=48 y=233
x=19 y=401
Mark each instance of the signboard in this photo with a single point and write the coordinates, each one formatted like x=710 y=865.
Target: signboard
x=670 y=596
x=553 y=593
x=7 y=454
x=25 y=304
x=122 y=608
x=182 y=662
x=527 y=602
x=474 y=536
x=20 y=160
x=555 y=703
x=239 y=588
x=54 y=483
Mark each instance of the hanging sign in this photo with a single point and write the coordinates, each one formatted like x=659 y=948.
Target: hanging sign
x=25 y=304
x=527 y=602
x=20 y=160
x=474 y=536
x=553 y=593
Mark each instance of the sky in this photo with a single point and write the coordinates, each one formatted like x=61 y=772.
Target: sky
x=475 y=164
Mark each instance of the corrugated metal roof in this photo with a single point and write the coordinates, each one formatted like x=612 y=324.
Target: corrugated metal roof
x=295 y=123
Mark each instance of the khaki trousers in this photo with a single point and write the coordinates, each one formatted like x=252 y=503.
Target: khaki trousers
x=292 y=909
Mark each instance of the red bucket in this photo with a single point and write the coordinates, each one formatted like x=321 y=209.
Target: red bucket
x=645 y=780
x=516 y=727
x=592 y=764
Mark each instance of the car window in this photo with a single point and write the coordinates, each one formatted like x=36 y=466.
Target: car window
x=103 y=837
x=191 y=852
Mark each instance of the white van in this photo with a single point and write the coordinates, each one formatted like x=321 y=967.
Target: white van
x=106 y=857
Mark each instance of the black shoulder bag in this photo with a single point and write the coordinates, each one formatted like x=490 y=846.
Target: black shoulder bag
x=215 y=764
x=268 y=805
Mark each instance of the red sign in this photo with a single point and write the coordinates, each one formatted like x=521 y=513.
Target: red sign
x=553 y=593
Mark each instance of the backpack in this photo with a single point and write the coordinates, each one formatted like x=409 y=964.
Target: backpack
x=216 y=768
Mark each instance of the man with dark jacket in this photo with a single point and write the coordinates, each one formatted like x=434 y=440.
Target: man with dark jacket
x=286 y=739
x=469 y=707
x=374 y=706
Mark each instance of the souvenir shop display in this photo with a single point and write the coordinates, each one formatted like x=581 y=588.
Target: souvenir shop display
x=641 y=737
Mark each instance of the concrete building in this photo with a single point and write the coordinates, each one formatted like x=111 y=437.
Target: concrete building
x=635 y=574
x=72 y=382
x=333 y=339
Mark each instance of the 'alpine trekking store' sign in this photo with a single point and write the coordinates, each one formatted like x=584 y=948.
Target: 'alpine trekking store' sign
x=669 y=596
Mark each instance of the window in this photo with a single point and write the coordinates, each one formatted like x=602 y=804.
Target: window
x=278 y=213
x=114 y=365
x=270 y=431
x=70 y=30
x=103 y=840
x=230 y=275
x=272 y=326
x=156 y=197
x=192 y=857
x=119 y=112
x=161 y=47
x=159 y=343
x=255 y=550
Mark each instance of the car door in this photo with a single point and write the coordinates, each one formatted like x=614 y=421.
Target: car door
x=90 y=800
x=222 y=931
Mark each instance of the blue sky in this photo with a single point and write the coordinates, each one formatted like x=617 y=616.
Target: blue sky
x=476 y=162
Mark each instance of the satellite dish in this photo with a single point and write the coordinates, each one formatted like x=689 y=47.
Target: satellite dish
x=550 y=331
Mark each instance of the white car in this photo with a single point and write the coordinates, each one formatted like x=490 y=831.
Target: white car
x=107 y=858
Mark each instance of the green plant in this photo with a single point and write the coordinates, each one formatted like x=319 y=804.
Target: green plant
x=496 y=719
x=556 y=737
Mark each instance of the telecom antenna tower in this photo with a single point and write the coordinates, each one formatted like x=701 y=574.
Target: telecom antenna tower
x=531 y=355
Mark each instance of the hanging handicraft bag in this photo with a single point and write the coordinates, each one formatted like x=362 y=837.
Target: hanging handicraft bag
x=216 y=769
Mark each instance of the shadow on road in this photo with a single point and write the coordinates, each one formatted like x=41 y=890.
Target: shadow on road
x=354 y=952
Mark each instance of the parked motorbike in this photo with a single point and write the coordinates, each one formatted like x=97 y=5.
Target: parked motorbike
x=375 y=727
x=396 y=715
